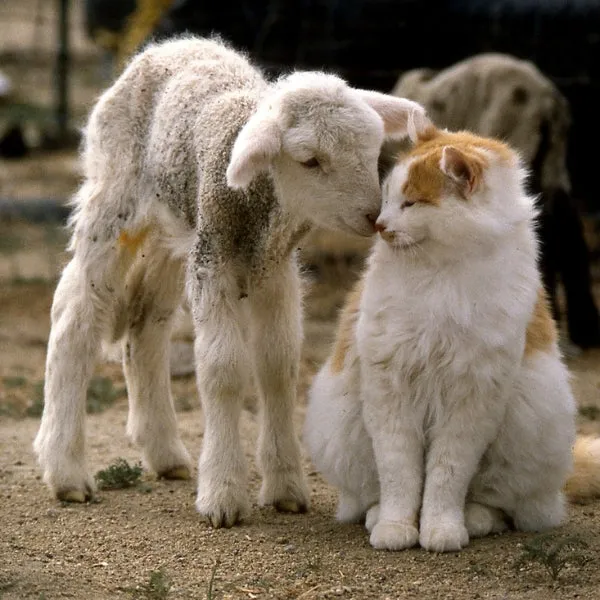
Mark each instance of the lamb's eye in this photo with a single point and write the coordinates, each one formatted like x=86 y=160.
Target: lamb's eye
x=407 y=203
x=311 y=163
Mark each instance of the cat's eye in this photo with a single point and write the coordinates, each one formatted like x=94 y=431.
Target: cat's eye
x=311 y=163
x=407 y=203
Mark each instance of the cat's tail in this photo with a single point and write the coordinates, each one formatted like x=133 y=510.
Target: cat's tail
x=584 y=482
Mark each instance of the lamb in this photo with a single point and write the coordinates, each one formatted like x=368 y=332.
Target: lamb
x=200 y=174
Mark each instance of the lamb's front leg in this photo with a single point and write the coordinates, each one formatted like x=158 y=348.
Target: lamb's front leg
x=398 y=449
x=276 y=327
x=453 y=456
x=222 y=370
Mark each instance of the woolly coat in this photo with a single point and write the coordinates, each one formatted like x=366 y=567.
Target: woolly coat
x=164 y=132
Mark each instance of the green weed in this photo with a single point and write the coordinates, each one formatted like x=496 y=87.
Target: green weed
x=211 y=581
x=119 y=475
x=157 y=587
x=553 y=553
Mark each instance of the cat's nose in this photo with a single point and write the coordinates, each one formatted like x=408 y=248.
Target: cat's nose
x=380 y=225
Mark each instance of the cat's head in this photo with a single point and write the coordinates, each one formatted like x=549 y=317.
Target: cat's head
x=453 y=192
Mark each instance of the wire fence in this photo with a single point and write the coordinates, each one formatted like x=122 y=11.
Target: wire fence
x=30 y=57
x=35 y=185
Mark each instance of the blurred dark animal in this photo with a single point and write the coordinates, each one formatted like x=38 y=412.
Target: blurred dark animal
x=105 y=20
x=501 y=96
x=12 y=143
x=122 y=26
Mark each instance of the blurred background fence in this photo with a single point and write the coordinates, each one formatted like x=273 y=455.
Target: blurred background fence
x=369 y=42
x=32 y=54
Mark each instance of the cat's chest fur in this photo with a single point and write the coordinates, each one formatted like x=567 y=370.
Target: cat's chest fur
x=430 y=331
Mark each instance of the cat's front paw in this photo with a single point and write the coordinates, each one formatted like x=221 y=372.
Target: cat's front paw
x=394 y=535
x=444 y=536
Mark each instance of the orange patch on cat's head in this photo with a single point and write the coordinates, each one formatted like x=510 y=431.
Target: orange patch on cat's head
x=443 y=162
x=425 y=182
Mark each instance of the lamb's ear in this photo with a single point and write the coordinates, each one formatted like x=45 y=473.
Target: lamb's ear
x=465 y=169
x=257 y=144
x=401 y=117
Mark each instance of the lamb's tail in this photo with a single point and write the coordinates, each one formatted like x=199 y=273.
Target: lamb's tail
x=584 y=482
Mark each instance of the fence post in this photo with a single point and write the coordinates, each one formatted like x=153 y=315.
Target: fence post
x=62 y=72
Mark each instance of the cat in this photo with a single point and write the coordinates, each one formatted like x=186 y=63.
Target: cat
x=444 y=411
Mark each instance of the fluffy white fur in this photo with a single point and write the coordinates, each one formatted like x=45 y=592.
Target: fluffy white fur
x=199 y=174
x=438 y=427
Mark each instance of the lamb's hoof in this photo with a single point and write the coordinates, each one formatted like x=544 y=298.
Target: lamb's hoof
x=223 y=517
x=222 y=505
x=220 y=520
x=286 y=491
x=290 y=506
x=74 y=496
x=181 y=472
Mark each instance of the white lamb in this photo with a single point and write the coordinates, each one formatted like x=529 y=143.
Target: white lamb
x=202 y=175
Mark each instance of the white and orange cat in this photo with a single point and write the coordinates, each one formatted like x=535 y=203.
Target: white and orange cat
x=444 y=411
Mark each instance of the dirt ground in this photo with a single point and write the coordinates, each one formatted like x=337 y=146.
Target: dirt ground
x=132 y=540
x=112 y=548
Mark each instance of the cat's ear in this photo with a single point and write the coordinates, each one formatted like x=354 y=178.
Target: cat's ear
x=464 y=169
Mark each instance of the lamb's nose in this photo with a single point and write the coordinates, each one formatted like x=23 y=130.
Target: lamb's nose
x=380 y=226
x=372 y=220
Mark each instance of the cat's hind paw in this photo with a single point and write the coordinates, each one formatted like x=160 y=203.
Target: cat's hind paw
x=394 y=535
x=481 y=520
x=372 y=517
x=444 y=536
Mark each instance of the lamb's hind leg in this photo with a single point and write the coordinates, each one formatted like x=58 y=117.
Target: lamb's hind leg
x=276 y=341
x=152 y=423
x=82 y=314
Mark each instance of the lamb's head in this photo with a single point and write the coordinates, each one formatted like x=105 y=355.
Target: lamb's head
x=320 y=140
x=454 y=194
